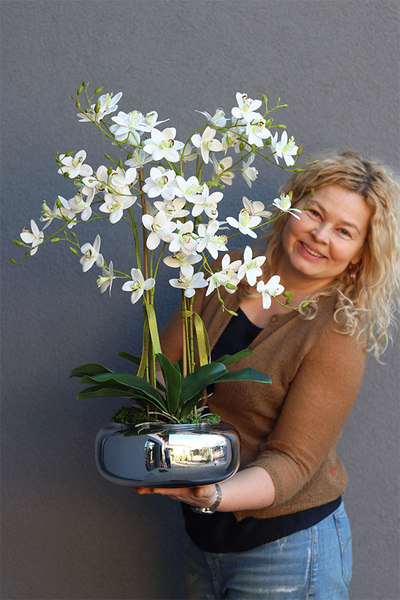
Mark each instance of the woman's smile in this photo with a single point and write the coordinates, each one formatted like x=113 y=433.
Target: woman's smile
x=310 y=252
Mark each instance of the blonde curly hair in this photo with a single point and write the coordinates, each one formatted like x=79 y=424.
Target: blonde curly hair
x=368 y=293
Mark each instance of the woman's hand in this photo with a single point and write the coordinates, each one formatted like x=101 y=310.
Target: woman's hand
x=249 y=489
x=202 y=496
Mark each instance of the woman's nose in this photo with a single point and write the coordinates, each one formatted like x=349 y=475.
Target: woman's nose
x=321 y=233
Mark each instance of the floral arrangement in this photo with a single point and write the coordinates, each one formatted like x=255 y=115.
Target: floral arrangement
x=174 y=220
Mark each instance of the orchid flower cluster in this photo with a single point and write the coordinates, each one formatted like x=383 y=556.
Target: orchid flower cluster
x=148 y=187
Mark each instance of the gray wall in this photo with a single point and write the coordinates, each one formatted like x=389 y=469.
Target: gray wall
x=68 y=534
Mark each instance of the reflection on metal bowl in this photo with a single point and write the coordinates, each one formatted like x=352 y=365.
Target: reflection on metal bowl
x=167 y=455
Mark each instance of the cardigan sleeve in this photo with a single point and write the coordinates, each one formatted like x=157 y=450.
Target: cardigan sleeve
x=317 y=405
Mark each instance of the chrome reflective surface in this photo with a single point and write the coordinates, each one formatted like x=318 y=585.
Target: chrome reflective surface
x=167 y=455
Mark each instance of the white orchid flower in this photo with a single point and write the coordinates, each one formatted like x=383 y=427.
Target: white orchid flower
x=218 y=120
x=123 y=179
x=269 y=290
x=97 y=182
x=257 y=132
x=34 y=237
x=138 y=285
x=73 y=165
x=161 y=228
x=285 y=205
x=58 y=212
x=215 y=281
x=251 y=267
x=115 y=204
x=138 y=159
x=245 y=222
x=180 y=259
x=126 y=127
x=230 y=140
x=78 y=205
x=173 y=209
x=285 y=148
x=190 y=189
x=227 y=276
x=256 y=208
x=208 y=240
x=107 y=103
x=104 y=281
x=189 y=281
x=207 y=202
x=149 y=121
x=91 y=255
x=221 y=171
x=231 y=269
x=163 y=145
x=160 y=182
x=249 y=173
x=206 y=143
x=246 y=108
x=184 y=240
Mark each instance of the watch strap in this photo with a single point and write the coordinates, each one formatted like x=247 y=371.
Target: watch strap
x=211 y=510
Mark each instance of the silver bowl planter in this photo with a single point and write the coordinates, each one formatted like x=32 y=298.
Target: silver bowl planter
x=167 y=455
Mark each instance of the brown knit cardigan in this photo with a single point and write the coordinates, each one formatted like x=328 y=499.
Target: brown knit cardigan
x=291 y=427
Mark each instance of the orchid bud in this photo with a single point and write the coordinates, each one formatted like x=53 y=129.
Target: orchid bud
x=56 y=239
x=299 y=150
x=280 y=126
x=58 y=203
x=231 y=286
x=106 y=155
x=74 y=251
x=79 y=90
x=298 y=170
x=98 y=90
x=18 y=243
x=97 y=107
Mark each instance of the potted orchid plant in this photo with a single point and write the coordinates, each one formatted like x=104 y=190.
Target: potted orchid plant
x=169 y=192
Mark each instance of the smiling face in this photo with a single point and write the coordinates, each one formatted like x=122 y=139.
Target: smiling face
x=329 y=235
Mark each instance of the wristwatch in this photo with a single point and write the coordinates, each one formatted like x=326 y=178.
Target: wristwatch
x=211 y=510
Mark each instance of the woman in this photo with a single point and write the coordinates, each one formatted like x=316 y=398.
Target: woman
x=278 y=527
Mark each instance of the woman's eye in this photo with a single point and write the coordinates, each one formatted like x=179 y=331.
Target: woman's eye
x=345 y=232
x=314 y=212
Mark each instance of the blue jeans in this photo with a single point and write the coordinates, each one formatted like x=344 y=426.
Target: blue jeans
x=312 y=564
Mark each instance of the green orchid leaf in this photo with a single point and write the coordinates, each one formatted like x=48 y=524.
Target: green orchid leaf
x=101 y=392
x=189 y=406
x=131 y=357
x=131 y=381
x=230 y=359
x=196 y=382
x=248 y=374
x=173 y=382
x=89 y=369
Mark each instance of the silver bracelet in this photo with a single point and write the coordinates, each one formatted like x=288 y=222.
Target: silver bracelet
x=211 y=510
